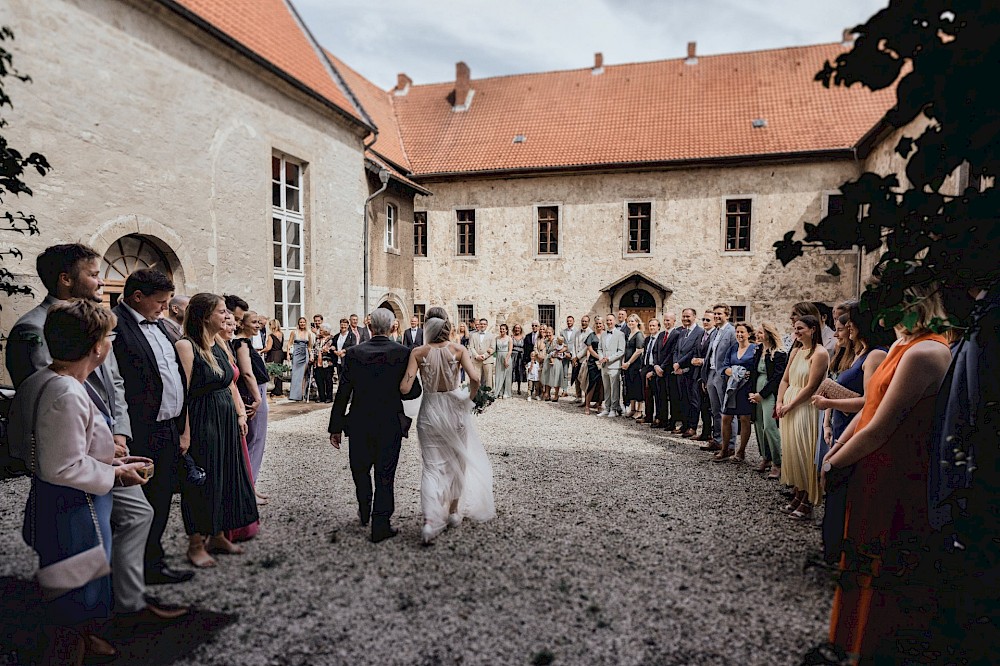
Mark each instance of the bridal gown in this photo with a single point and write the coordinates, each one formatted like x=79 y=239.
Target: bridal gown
x=455 y=464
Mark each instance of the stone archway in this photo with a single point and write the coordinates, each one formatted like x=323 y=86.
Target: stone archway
x=131 y=253
x=638 y=302
x=394 y=303
x=165 y=239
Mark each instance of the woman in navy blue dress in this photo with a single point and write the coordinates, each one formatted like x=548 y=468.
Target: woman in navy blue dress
x=738 y=393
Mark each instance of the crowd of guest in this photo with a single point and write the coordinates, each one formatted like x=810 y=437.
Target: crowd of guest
x=115 y=411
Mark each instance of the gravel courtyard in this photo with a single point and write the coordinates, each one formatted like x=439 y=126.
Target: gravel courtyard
x=613 y=545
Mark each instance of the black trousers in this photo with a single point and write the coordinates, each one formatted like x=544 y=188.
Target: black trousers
x=159 y=441
x=690 y=400
x=705 y=408
x=376 y=451
x=658 y=389
x=674 y=407
x=324 y=383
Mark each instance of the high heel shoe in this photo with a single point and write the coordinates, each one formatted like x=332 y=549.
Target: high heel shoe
x=428 y=533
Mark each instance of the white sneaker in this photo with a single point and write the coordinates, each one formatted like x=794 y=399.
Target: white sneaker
x=603 y=412
x=612 y=415
x=530 y=398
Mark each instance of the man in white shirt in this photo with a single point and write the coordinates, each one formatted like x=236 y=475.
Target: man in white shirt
x=414 y=335
x=569 y=338
x=483 y=345
x=612 y=349
x=579 y=350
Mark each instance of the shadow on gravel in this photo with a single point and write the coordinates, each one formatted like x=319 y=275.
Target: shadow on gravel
x=21 y=622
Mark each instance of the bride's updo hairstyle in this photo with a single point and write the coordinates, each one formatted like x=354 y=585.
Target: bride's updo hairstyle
x=437 y=326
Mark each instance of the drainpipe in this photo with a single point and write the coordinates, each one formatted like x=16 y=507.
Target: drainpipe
x=383 y=176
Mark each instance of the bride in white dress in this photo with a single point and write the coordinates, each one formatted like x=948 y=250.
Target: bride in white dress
x=457 y=478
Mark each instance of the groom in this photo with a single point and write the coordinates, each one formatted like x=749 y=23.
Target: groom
x=369 y=381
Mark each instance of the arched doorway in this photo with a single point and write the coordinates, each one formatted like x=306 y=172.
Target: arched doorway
x=126 y=255
x=391 y=307
x=639 y=302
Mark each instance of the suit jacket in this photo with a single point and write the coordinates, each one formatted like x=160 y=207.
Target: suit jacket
x=27 y=352
x=665 y=355
x=411 y=341
x=369 y=381
x=775 y=366
x=529 y=346
x=701 y=352
x=485 y=348
x=363 y=334
x=580 y=344
x=726 y=338
x=687 y=347
x=650 y=342
x=174 y=332
x=141 y=375
x=612 y=349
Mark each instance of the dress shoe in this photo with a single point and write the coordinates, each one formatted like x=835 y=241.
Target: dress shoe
x=381 y=534
x=703 y=437
x=687 y=434
x=164 y=575
x=152 y=614
x=678 y=430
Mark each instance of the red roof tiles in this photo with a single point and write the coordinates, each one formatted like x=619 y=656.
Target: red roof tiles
x=271 y=30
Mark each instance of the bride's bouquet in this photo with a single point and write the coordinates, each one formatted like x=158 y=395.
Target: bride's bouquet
x=484 y=398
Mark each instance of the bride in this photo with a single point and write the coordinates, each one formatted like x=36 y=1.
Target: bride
x=457 y=479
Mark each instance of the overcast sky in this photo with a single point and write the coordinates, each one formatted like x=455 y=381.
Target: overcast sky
x=425 y=38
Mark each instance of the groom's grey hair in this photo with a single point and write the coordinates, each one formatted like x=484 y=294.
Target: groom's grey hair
x=381 y=321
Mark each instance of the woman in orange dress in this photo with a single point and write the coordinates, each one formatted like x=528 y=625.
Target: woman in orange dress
x=886 y=518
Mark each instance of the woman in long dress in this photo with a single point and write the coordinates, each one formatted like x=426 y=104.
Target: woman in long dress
x=274 y=352
x=457 y=478
x=517 y=358
x=504 y=351
x=300 y=344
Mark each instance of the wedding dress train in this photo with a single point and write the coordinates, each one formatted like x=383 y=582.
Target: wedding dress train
x=455 y=464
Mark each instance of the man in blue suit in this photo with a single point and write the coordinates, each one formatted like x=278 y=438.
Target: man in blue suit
x=723 y=337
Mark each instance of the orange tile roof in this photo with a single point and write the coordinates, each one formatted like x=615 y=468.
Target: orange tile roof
x=378 y=104
x=659 y=111
x=273 y=32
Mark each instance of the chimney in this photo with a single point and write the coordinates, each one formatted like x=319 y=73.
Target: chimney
x=692 y=59
x=403 y=83
x=463 y=91
x=848 y=38
x=598 y=64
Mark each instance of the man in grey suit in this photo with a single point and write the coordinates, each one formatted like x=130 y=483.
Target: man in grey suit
x=687 y=382
x=73 y=271
x=723 y=337
x=611 y=349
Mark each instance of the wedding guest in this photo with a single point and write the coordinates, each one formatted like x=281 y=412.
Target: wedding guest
x=540 y=354
x=299 y=350
x=722 y=340
x=623 y=321
x=529 y=342
x=241 y=349
x=579 y=360
x=517 y=358
x=737 y=401
x=414 y=335
x=323 y=364
x=462 y=333
x=342 y=341
x=66 y=441
x=174 y=318
x=257 y=419
x=552 y=372
x=217 y=424
x=317 y=321
x=504 y=354
x=394 y=333
x=612 y=349
x=154 y=391
x=568 y=335
x=698 y=362
x=765 y=376
x=260 y=339
x=482 y=344
x=646 y=370
x=802 y=309
x=798 y=423
x=884 y=588
x=361 y=334
x=685 y=351
x=595 y=387
x=534 y=373
x=634 y=346
x=827 y=317
x=274 y=352
x=666 y=381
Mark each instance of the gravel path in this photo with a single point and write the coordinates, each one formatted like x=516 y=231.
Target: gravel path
x=613 y=545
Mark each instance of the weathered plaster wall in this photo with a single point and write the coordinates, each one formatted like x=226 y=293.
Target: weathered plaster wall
x=391 y=267
x=152 y=127
x=507 y=280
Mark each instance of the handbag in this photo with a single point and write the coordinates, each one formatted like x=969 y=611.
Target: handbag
x=834 y=391
x=77 y=570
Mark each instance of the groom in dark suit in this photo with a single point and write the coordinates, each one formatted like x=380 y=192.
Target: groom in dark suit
x=376 y=425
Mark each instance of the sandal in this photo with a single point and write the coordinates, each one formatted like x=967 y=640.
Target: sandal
x=738 y=458
x=791 y=507
x=719 y=457
x=804 y=512
x=774 y=475
x=762 y=467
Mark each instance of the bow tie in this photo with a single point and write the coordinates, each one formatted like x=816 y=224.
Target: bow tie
x=146 y=322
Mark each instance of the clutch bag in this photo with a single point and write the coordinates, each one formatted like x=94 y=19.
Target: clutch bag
x=73 y=572
x=834 y=391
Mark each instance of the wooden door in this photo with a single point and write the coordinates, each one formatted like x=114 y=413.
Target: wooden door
x=644 y=314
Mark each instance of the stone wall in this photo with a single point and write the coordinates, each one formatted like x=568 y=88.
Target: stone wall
x=152 y=127
x=507 y=280
x=391 y=267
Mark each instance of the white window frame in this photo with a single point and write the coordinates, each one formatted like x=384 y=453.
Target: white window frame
x=559 y=229
x=625 y=229
x=391 y=226
x=722 y=225
x=285 y=276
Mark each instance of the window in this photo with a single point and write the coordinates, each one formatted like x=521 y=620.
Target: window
x=465 y=313
x=466 y=233
x=834 y=204
x=420 y=234
x=639 y=227
x=390 y=226
x=737 y=313
x=547 y=315
x=287 y=232
x=737 y=225
x=548 y=230
x=420 y=312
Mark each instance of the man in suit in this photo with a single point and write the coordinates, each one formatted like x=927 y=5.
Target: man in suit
x=723 y=338
x=174 y=320
x=74 y=271
x=684 y=352
x=569 y=338
x=579 y=350
x=360 y=334
x=646 y=369
x=155 y=388
x=529 y=346
x=414 y=335
x=698 y=363
x=611 y=349
x=342 y=341
x=482 y=344
x=376 y=424
x=663 y=369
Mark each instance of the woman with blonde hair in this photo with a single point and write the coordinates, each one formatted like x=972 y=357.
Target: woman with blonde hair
x=218 y=422
x=888 y=446
x=634 y=345
x=799 y=419
x=768 y=367
x=274 y=352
